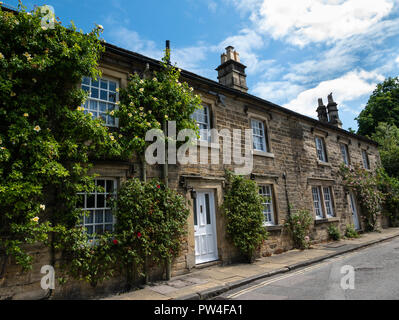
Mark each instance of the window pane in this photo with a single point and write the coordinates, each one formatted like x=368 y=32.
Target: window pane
x=89 y=229
x=104 y=84
x=195 y=212
x=112 y=86
x=94 y=83
x=100 y=201
x=108 y=216
x=86 y=80
x=99 y=216
x=207 y=208
x=94 y=93
x=90 y=201
x=103 y=106
x=110 y=186
x=103 y=95
x=88 y=217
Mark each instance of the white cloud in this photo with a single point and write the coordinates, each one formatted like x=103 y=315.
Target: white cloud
x=131 y=40
x=277 y=91
x=246 y=43
x=397 y=60
x=301 y=22
x=350 y=86
x=212 y=6
x=188 y=58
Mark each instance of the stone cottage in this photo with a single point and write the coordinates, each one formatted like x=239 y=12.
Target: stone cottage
x=296 y=160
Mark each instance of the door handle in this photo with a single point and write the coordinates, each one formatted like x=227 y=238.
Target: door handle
x=200 y=208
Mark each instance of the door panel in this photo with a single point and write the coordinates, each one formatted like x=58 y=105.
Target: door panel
x=355 y=216
x=205 y=229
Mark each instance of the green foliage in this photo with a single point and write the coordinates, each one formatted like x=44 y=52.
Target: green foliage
x=389 y=186
x=299 y=226
x=243 y=210
x=46 y=143
x=92 y=261
x=351 y=232
x=382 y=106
x=365 y=186
x=333 y=233
x=147 y=103
x=151 y=223
x=387 y=135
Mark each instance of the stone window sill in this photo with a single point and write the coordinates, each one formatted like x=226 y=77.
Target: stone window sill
x=325 y=164
x=277 y=227
x=263 y=154
x=326 y=220
x=202 y=143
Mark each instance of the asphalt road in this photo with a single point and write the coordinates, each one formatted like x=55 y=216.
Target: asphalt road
x=371 y=273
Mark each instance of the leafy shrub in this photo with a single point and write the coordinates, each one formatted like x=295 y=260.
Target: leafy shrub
x=46 y=140
x=365 y=185
x=333 y=233
x=351 y=231
x=151 y=222
x=389 y=186
x=243 y=210
x=299 y=226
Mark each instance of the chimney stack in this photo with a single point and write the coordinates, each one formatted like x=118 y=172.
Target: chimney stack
x=333 y=112
x=231 y=71
x=322 y=111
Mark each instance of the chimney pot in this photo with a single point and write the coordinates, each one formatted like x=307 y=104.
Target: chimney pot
x=231 y=71
x=333 y=112
x=322 y=111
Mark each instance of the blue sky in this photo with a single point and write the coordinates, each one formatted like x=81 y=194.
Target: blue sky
x=295 y=51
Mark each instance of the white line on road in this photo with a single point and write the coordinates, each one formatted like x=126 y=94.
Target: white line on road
x=267 y=282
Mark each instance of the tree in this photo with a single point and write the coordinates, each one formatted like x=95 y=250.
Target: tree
x=387 y=135
x=382 y=106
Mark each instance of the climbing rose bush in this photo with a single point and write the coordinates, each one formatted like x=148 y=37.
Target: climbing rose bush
x=299 y=225
x=47 y=143
x=151 y=225
x=365 y=186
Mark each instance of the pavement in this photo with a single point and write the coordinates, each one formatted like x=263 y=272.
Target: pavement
x=212 y=281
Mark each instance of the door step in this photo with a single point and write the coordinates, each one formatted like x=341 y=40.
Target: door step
x=207 y=264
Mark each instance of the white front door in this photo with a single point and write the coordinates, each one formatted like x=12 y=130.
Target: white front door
x=205 y=227
x=355 y=216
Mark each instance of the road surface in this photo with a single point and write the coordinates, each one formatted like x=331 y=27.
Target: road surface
x=371 y=273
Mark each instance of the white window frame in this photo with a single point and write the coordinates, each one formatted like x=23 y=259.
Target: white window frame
x=316 y=195
x=260 y=126
x=345 y=153
x=89 y=221
x=204 y=127
x=266 y=191
x=328 y=202
x=98 y=100
x=366 y=161
x=320 y=149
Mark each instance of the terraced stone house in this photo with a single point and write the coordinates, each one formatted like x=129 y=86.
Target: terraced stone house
x=296 y=160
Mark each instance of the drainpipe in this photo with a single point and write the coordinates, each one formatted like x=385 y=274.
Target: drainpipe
x=168 y=270
x=286 y=193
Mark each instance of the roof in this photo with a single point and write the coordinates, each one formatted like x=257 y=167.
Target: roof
x=261 y=102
